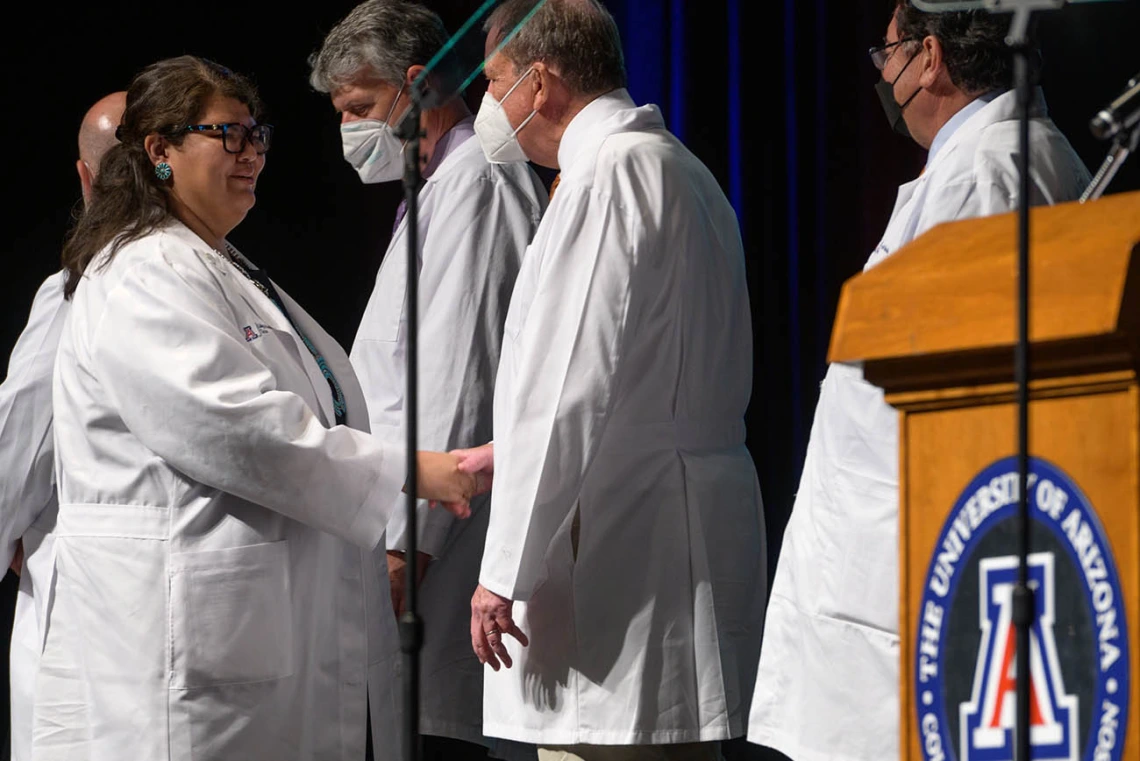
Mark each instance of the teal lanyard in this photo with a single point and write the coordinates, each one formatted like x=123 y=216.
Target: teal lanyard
x=262 y=281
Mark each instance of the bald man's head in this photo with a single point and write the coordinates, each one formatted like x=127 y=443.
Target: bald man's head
x=97 y=135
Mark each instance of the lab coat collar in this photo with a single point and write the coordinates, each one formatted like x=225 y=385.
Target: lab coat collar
x=459 y=143
x=1003 y=108
x=447 y=145
x=605 y=115
x=957 y=120
x=256 y=299
x=253 y=295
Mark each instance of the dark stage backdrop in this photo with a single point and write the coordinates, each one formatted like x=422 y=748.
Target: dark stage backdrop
x=775 y=96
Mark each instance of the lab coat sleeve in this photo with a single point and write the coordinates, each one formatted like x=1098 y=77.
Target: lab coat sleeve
x=186 y=384
x=470 y=259
x=568 y=357
x=27 y=450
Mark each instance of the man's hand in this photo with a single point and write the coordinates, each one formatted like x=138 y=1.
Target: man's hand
x=479 y=461
x=398 y=576
x=490 y=620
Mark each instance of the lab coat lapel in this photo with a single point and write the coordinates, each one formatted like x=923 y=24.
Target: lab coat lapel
x=395 y=259
x=356 y=413
x=904 y=219
x=399 y=241
x=901 y=218
x=1003 y=108
x=260 y=303
x=241 y=287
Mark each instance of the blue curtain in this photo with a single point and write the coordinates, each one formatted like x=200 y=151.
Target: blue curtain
x=708 y=63
x=777 y=99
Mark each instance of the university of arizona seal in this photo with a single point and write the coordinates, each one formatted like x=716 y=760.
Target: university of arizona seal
x=964 y=674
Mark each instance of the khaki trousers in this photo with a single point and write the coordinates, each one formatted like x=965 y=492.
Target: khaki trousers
x=682 y=752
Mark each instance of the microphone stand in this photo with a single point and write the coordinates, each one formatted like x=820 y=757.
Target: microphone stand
x=1123 y=145
x=1024 y=606
x=410 y=624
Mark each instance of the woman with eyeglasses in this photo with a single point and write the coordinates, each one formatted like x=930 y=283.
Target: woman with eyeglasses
x=219 y=496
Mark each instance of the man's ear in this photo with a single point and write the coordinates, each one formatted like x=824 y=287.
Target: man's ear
x=86 y=178
x=543 y=79
x=412 y=75
x=429 y=98
x=932 y=61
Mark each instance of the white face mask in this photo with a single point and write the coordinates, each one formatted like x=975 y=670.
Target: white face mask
x=499 y=141
x=373 y=149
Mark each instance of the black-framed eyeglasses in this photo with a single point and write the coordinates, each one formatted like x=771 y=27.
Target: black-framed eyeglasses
x=880 y=54
x=235 y=135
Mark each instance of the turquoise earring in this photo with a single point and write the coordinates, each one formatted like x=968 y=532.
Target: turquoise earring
x=163 y=171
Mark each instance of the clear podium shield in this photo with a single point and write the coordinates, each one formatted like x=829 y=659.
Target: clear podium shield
x=459 y=62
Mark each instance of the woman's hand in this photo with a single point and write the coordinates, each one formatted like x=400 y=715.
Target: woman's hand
x=439 y=479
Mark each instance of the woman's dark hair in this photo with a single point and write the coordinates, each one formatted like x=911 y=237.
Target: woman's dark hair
x=127 y=198
x=973 y=44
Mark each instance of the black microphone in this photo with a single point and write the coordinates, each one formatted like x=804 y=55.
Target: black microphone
x=1123 y=113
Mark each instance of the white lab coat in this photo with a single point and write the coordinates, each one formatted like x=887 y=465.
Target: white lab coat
x=27 y=492
x=827 y=688
x=625 y=373
x=212 y=554
x=476 y=220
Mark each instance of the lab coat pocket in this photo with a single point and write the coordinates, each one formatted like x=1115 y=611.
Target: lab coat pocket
x=231 y=616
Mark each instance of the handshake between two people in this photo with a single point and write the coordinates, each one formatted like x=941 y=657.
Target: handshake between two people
x=452 y=479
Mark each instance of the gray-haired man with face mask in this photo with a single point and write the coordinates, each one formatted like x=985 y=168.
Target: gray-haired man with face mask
x=475 y=221
x=626 y=541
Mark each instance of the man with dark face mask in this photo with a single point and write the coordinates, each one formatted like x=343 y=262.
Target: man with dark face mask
x=827 y=688
x=881 y=56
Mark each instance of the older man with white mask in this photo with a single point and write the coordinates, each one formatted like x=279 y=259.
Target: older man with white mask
x=28 y=500
x=475 y=221
x=626 y=543
x=828 y=683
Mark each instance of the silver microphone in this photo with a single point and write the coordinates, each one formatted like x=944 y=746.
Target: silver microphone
x=1122 y=114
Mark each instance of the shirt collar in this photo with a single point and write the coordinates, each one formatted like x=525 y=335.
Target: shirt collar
x=447 y=144
x=594 y=113
x=957 y=120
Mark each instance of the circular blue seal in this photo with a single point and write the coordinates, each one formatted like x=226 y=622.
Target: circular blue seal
x=964 y=673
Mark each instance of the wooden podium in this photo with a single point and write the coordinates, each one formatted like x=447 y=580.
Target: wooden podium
x=935 y=326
